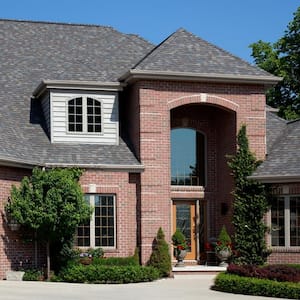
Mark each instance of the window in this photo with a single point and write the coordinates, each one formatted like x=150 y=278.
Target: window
x=100 y=230
x=84 y=115
x=285 y=221
x=187 y=157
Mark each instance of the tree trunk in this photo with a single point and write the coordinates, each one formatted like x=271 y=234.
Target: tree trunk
x=48 y=259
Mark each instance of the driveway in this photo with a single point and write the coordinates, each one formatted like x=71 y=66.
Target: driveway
x=184 y=287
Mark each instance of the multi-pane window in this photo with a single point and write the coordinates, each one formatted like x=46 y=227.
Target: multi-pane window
x=100 y=230
x=285 y=221
x=84 y=115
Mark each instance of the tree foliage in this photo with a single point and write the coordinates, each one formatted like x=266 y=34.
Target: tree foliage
x=160 y=257
x=250 y=205
x=283 y=59
x=51 y=204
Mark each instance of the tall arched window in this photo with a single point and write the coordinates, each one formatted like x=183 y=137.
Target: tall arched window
x=84 y=115
x=187 y=157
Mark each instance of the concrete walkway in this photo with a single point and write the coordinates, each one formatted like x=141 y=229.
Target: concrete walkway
x=182 y=287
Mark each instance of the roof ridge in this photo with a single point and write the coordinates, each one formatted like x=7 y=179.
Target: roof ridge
x=154 y=48
x=293 y=121
x=274 y=115
x=58 y=23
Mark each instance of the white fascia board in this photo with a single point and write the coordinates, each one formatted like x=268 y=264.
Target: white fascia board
x=77 y=85
x=276 y=178
x=106 y=167
x=133 y=75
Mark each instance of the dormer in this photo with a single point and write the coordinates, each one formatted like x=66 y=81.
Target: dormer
x=80 y=112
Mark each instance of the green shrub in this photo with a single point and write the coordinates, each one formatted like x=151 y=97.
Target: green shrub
x=257 y=287
x=116 y=261
x=160 y=257
x=107 y=274
x=33 y=275
x=272 y=272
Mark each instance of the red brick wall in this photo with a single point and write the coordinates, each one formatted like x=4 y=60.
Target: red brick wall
x=15 y=251
x=152 y=102
x=123 y=185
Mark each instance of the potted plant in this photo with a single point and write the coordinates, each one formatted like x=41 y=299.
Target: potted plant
x=223 y=246
x=180 y=247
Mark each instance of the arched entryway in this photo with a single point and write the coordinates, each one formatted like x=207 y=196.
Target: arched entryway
x=201 y=137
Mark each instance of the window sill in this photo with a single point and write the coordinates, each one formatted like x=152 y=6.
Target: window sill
x=282 y=249
x=187 y=188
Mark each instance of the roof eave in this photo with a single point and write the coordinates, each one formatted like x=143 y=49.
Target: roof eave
x=276 y=178
x=108 y=167
x=76 y=85
x=134 y=75
x=18 y=163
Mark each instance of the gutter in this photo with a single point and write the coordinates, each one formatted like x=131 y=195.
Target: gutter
x=276 y=178
x=18 y=163
x=133 y=75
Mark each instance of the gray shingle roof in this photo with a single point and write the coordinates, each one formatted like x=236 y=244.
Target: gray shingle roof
x=283 y=161
x=184 y=52
x=32 y=51
x=275 y=127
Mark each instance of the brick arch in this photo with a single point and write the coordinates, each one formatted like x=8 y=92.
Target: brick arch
x=203 y=98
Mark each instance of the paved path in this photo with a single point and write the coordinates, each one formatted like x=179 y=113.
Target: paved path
x=184 y=287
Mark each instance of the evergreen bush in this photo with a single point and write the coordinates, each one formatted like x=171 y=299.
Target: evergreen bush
x=250 y=206
x=160 y=257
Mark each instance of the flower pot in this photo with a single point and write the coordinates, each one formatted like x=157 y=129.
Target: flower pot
x=223 y=255
x=180 y=254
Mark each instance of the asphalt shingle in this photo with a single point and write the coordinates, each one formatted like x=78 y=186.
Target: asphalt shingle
x=32 y=51
x=184 y=52
x=283 y=159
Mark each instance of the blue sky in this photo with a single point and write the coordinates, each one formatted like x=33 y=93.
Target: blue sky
x=230 y=24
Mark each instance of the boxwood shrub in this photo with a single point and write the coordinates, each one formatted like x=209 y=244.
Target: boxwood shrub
x=116 y=261
x=236 y=284
x=96 y=273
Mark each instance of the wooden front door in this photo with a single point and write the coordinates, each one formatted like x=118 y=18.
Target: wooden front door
x=184 y=218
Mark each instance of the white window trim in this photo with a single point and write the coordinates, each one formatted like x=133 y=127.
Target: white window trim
x=84 y=115
x=287 y=222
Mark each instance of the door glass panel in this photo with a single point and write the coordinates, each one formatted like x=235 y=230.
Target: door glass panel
x=183 y=221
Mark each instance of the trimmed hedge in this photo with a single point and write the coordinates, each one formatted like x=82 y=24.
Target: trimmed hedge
x=272 y=272
x=116 y=261
x=93 y=273
x=257 y=287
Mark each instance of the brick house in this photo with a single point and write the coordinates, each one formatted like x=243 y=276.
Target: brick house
x=151 y=126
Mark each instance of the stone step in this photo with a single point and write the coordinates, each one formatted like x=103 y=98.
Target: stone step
x=197 y=270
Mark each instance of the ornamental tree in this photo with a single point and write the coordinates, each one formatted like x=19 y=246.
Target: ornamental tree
x=50 y=203
x=283 y=59
x=250 y=205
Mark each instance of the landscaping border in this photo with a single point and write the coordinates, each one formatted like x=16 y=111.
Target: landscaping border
x=256 y=287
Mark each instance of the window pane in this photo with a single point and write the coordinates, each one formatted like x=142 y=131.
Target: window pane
x=75 y=115
x=277 y=219
x=83 y=236
x=104 y=216
x=187 y=157
x=93 y=115
x=295 y=221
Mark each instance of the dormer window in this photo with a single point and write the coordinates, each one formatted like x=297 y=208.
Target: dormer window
x=84 y=115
